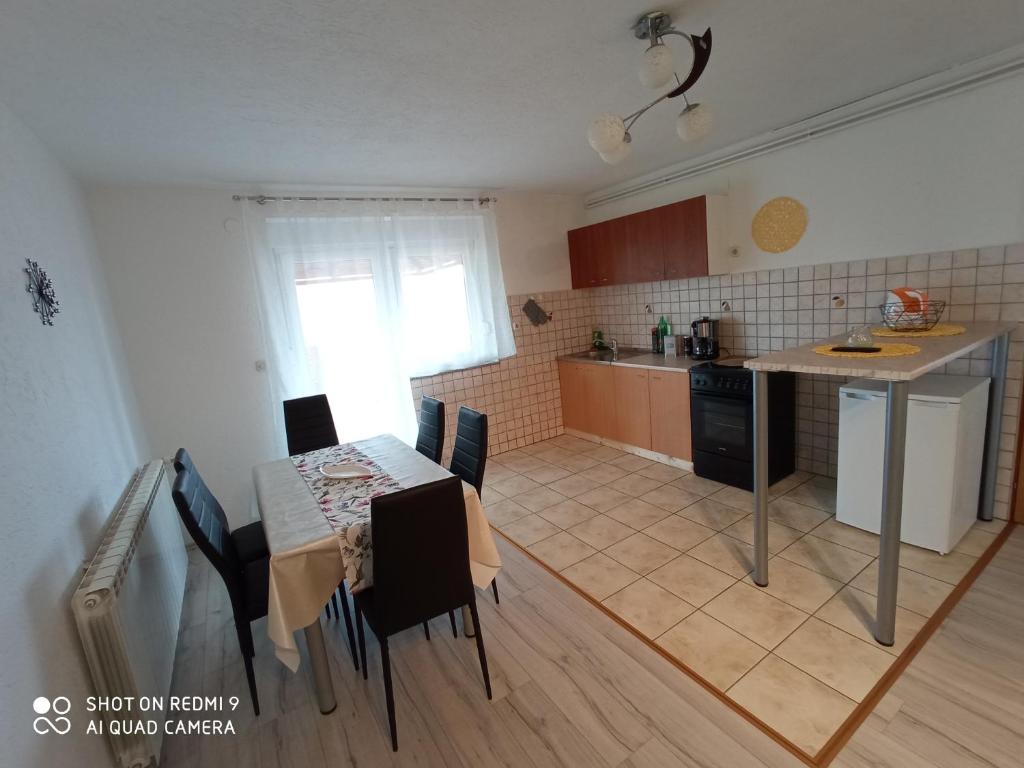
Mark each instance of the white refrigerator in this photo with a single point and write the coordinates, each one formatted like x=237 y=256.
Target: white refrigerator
x=942 y=472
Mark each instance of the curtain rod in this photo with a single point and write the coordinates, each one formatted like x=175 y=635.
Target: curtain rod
x=264 y=199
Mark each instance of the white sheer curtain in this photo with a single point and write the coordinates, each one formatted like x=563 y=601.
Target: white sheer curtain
x=357 y=297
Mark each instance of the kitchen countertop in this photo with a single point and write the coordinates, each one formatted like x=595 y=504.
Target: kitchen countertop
x=643 y=360
x=935 y=352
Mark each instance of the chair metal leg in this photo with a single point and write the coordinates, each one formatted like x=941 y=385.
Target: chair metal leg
x=245 y=644
x=361 y=635
x=426 y=630
x=389 y=693
x=480 y=647
x=494 y=588
x=348 y=627
x=451 y=618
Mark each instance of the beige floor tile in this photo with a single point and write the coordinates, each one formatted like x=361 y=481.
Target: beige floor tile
x=800 y=587
x=539 y=498
x=642 y=553
x=604 y=473
x=718 y=654
x=670 y=498
x=635 y=485
x=637 y=514
x=950 y=568
x=817 y=492
x=523 y=465
x=735 y=497
x=549 y=474
x=600 y=576
x=605 y=453
x=725 y=553
x=848 y=536
x=755 y=615
x=572 y=443
x=788 y=483
x=916 y=592
x=560 y=551
x=693 y=581
x=713 y=514
x=804 y=710
x=602 y=499
x=495 y=472
x=977 y=540
x=779 y=536
x=853 y=611
x=505 y=511
x=513 y=486
x=663 y=472
x=490 y=496
x=792 y=514
x=839 y=660
x=529 y=530
x=822 y=556
x=699 y=485
x=631 y=463
x=552 y=454
x=567 y=513
x=578 y=462
x=601 y=531
x=679 y=532
x=574 y=485
x=648 y=607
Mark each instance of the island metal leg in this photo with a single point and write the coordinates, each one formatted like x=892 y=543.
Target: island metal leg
x=761 y=478
x=321 y=669
x=892 y=511
x=994 y=426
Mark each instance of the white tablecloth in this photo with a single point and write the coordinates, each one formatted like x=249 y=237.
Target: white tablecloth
x=305 y=555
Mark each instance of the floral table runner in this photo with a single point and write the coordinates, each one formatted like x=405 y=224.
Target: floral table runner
x=346 y=504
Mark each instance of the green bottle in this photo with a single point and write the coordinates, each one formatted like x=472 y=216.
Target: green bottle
x=663 y=331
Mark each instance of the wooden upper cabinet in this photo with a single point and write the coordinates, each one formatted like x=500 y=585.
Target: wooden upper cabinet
x=686 y=239
x=665 y=243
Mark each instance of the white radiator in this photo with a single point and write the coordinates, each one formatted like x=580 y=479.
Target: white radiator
x=128 y=608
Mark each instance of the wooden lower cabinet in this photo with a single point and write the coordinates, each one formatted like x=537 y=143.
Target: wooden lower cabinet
x=670 y=414
x=636 y=406
x=632 y=406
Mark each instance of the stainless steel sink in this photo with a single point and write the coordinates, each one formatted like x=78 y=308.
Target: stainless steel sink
x=606 y=356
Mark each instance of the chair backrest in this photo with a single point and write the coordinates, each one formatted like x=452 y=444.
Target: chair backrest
x=430 y=440
x=182 y=461
x=420 y=554
x=206 y=523
x=469 y=455
x=308 y=424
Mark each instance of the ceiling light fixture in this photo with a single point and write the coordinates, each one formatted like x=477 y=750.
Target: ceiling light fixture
x=609 y=134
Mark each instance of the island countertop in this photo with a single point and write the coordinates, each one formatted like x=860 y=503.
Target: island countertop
x=935 y=352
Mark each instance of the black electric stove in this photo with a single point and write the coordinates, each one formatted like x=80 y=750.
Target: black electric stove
x=722 y=423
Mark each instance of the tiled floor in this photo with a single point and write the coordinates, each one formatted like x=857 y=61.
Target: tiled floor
x=671 y=553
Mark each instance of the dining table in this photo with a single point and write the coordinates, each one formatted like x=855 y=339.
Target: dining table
x=318 y=534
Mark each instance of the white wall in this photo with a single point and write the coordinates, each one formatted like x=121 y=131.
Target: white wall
x=940 y=176
x=184 y=297
x=69 y=445
x=532 y=238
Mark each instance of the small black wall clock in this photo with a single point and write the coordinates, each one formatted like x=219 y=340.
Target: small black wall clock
x=40 y=286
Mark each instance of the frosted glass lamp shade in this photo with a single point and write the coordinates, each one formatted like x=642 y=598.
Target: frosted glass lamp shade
x=606 y=132
x=694 y=122
x=657 y=66
x=617 y=155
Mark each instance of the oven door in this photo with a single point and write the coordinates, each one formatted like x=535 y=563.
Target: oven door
x=722 y=426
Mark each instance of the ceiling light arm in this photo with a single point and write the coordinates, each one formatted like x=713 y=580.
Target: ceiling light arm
x=701 y=54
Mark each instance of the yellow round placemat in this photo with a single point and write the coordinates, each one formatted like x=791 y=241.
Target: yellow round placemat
x=779 y=224
x=888 y=350
x=942 y=329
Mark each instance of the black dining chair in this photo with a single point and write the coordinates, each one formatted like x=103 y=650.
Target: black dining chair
x=430 y=439
x=420 y=570
x=469 y=456
x=308 y=424
x=240 y=557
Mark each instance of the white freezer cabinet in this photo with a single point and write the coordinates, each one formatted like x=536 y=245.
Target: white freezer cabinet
x=942 y=471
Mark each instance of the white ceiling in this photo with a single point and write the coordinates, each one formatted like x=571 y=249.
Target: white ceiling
x=454 y=93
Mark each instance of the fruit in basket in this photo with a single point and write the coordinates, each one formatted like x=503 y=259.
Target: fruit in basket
x=906 y=307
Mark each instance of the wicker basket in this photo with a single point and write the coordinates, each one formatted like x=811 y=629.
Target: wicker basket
x=899 y=318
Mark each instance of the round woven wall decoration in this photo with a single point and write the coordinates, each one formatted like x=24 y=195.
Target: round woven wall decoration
x=779 y=224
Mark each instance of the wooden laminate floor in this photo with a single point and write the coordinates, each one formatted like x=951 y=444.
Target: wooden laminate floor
x=573 y=688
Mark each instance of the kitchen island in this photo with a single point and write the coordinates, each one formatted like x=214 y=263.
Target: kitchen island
x=897 y=372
